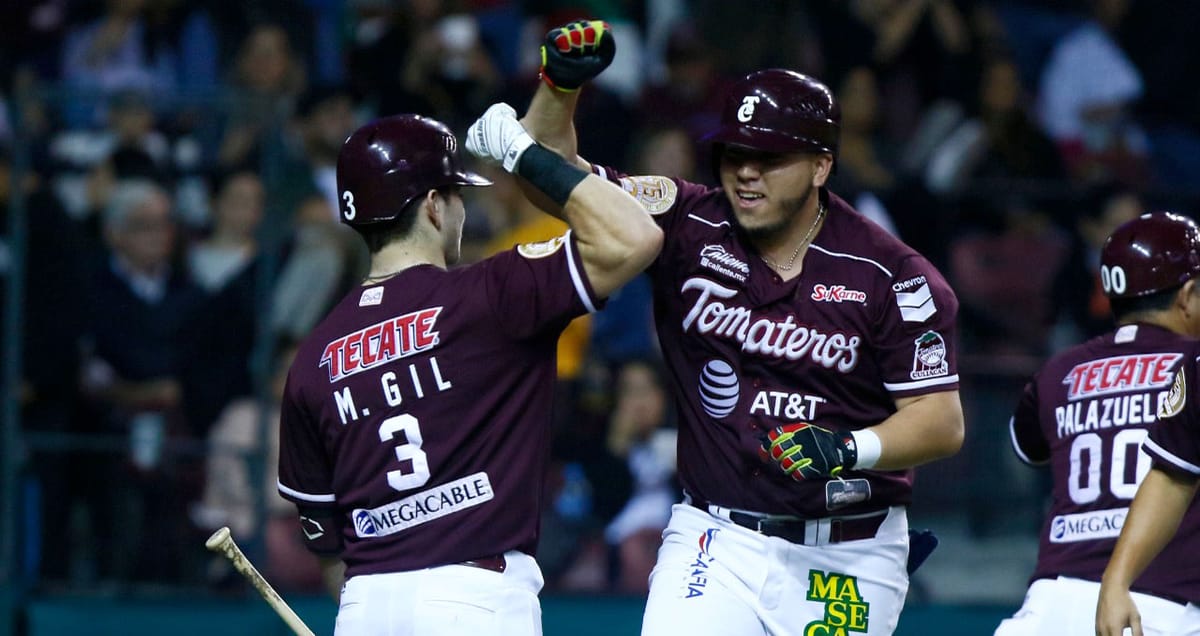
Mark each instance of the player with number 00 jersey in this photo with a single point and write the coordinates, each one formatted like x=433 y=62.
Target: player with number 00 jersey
x=1087 y=413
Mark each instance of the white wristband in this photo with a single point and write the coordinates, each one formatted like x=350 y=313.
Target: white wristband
x=869 y=448
x=516 y=148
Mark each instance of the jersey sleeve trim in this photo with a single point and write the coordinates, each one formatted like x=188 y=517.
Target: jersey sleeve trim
x=920 y=384
x=1012 y=436
x=303 y=496
x=813 y=246
x=707 y=222
x=575 y=268
x=1167 y=456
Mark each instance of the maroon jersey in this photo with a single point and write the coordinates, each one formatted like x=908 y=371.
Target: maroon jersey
x=419 y=410
x=1174 y=445
x=867 y=321
x=1087 y=413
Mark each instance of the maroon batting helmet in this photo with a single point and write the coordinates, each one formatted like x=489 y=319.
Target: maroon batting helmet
x=1152 y=253
x=777 y=110
x=389 y=162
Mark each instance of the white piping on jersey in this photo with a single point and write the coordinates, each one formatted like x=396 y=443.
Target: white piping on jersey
x=707 y=222
x=305 y=496
x=1012 y=435
x=883 y=269
x=1172 y=457
x=577 y=278
x=920 y=384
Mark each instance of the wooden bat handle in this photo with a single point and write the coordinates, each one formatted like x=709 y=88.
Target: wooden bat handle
x=222 y=542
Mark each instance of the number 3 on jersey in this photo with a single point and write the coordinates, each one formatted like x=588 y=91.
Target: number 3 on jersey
x=408 y=452
x=1087 y=453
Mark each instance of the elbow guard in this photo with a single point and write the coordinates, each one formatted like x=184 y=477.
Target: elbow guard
x=322 y=531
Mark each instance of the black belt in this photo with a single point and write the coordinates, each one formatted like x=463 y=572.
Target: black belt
x=804 y=531
x=494 y=563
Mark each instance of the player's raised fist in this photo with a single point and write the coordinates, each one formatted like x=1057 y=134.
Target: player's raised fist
x=498 y=136
x=806 y=451
x=576 y=52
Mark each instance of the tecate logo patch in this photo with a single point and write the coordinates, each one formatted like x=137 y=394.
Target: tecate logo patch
x=1119 y=374
x=381 y=343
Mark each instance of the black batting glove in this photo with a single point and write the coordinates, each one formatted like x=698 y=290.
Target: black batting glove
x=806 y=451
x=575 y=53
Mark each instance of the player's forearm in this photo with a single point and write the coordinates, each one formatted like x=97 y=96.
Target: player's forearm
x=1153 y=519
x=333 y=574
x=923 y=429
x=550 y=120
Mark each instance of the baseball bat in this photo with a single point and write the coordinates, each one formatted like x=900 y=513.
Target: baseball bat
x=222 y=542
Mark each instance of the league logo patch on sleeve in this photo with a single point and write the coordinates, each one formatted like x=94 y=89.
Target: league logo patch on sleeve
x=542 y=249
x=1175 y=397
x=656 y=194
x=914 y=299
x=929 y=356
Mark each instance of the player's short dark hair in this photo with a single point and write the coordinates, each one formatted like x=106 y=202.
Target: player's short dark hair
x=1127 y=309
x=379 y=235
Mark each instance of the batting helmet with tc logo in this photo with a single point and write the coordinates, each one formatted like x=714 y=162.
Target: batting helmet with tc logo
x=778 y=110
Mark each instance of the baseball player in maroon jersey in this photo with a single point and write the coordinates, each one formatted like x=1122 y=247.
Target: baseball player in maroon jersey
x=812 y=363
x=415 y=425
x=1087 y=412
x=1158 y=552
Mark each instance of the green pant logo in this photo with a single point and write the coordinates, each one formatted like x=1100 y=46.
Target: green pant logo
x=845 y=609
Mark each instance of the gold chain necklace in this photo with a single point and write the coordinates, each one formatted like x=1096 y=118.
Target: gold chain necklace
x=803 y=242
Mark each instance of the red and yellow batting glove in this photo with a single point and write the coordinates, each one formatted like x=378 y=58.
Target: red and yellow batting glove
x=806 y=451
x=575 y=53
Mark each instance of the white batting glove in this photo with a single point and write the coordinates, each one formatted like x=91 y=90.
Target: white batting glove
x=498 y=136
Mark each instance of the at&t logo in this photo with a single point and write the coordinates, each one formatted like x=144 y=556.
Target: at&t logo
x=718 y=388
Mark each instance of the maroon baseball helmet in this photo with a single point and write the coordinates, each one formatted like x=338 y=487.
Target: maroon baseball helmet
x=777 y=110
x=1152 y=253
x=389 y=162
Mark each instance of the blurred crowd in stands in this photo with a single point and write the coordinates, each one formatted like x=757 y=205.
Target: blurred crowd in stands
x=175 y=162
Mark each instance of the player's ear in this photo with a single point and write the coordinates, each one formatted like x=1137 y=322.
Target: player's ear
x=433 y=206
x=1188 y=296
x=823 y=168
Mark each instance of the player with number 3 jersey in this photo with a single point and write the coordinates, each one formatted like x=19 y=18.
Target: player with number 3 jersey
x=416 y=420
x=1087 y=413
